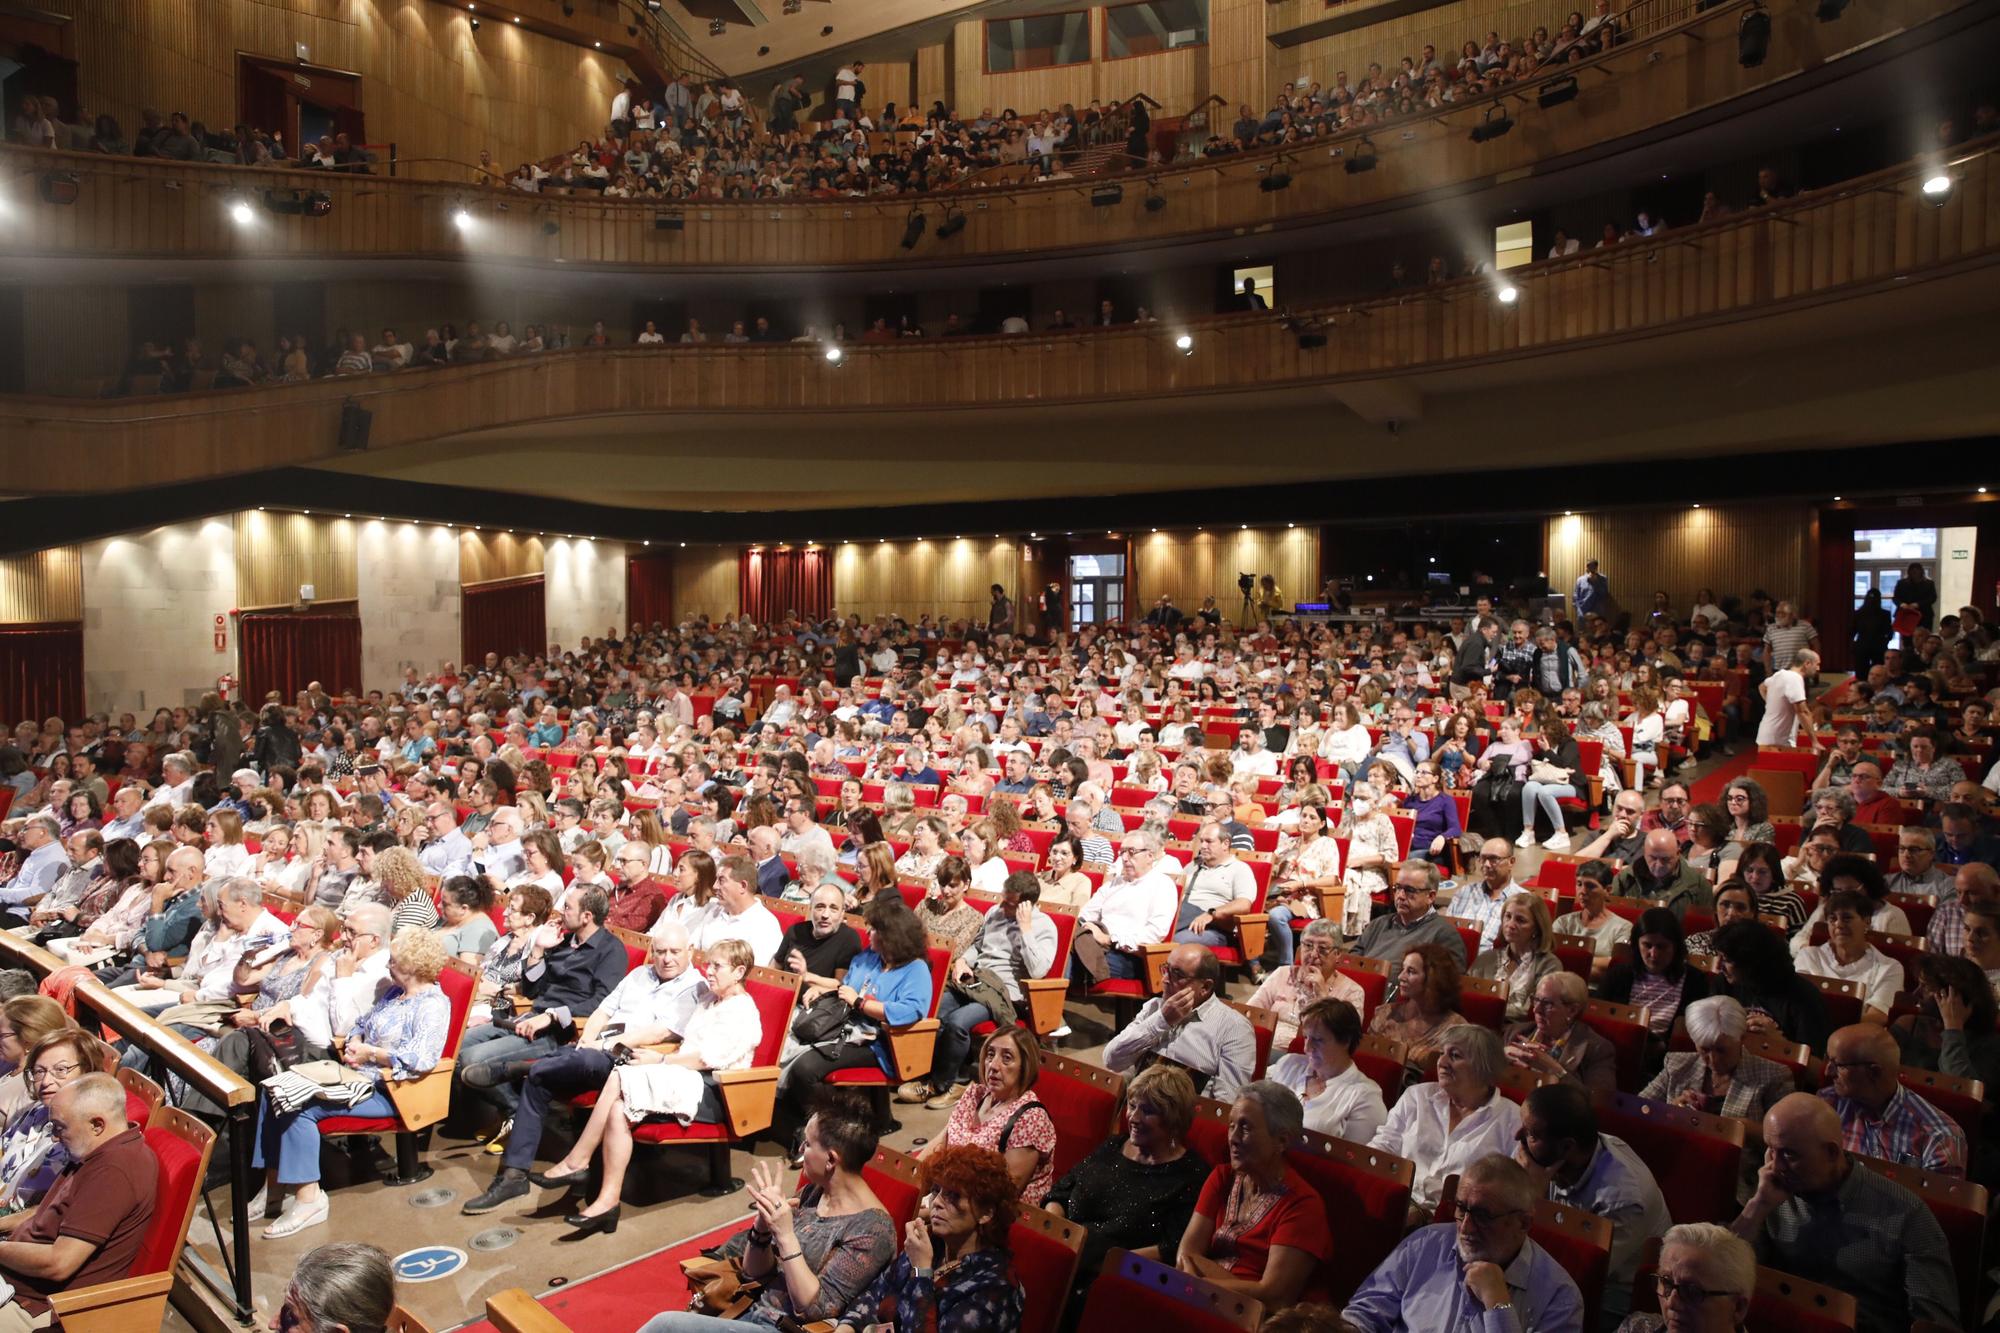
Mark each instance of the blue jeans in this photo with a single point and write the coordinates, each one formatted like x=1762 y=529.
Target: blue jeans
x=1544 y=794
x=293 y=1140
x=1185 y=934
x=956 y=1019
x=1279 y=935
x=495 y=1042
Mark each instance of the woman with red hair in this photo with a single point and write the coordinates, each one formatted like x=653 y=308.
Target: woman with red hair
x=954 y=1275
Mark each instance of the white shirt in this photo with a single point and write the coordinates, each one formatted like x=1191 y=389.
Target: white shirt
x=225 y=858
x=990 y=875
x=652 y=336
x=165 y=795
x=1878 y=975
x=814 y=836
x=1349 y=1107
x=1133 y=912
x=1419 y=1128
x=335 y=1004
x=755 y=926
x=1784 y=705
x=1264 y=763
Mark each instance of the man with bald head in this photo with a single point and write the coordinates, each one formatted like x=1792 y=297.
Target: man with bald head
x=1663 y=877
x=1189 y=1024
x=1973 y=885
x=651 y=1005
x=1879 y=1117
x=1820 y=1215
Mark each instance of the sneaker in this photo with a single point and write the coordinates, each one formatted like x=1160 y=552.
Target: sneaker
x=1527 y=838
x=298 y=1216
x=913 y=1092
x=1059 y=1033
x=498 y=1143
x=1558 y=841
x=947 y=1099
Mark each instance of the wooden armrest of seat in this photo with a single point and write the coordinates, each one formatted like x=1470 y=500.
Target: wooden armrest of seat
x=750 y=1096
x=1154 y=958
x=1251 y=928
x=114 y=1307
x=1332 y=902
x=1045 y=997
x=421 y=1102
x=912 y=1047
x=515 y=1311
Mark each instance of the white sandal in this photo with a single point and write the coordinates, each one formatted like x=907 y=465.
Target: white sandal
x=297 y=1217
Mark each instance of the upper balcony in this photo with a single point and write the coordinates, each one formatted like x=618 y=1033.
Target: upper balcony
x=1679 y=79
x=1838 y=318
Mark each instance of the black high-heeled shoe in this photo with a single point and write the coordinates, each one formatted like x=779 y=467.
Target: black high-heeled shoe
x=590 y=1226
x=549 y=1180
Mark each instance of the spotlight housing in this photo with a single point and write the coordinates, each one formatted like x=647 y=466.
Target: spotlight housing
x=1363 y=159
x=461 y=219
x=913 y=229
x=1277 y=180
x=953 y=224
x=475 y=25
x=59 y=187
x=1497 y=123
x=1155 y=201
x=1105 y=196
x=1557 y=92
x=240 y=212
x=669 y=222
x=1937 y=189
x=1508 y=294
x=1753 y=38
x=1829 y=10
x=834 y=356
x=1185 y=344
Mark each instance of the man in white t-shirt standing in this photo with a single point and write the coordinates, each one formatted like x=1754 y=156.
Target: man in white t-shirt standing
x=846 y=92
x=1785 y=707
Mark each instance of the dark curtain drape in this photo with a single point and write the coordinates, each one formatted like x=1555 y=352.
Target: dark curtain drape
x=508 y=616
x=649 y=589
x=771 y=583
x=41 y=672
x=284 y=652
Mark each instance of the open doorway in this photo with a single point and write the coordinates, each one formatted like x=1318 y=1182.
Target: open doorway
x=299 y=103
x=1096 y=590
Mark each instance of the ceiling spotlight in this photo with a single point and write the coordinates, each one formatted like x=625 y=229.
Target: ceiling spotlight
x=1937 y=189
x=1185 y=343
x=1277 y=180
x=517 y=18
x=953 y=224
x=1508 y=294
x=240 y=213
x=475 y=25
x=1497 y=123
x=717 y=27
x=461 y=219
x=834 y=354
x=913 y=228
x=1556 y=92
x=1155 y=201
x=1364 y=157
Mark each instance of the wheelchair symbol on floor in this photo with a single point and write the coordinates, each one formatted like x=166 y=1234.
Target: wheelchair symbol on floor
x=428 y=1264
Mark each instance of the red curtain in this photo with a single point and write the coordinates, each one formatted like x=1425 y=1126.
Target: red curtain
x=507 y=616
x=770 y=584
x=284 y=652
x=649 y=590
x=41 y=672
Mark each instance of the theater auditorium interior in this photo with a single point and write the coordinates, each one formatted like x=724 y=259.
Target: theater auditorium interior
x=999 y=666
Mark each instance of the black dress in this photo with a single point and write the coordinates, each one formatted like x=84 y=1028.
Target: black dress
x=1126 y=1204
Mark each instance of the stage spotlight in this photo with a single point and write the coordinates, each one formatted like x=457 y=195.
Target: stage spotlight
x=953 y=224
x=669 y=222
x=1508 y=294
x=1185 y=344
x=551 y=227
x=1311 y=342
x=913 y=230
x=1829 y=10
x=1277 y=180
x=834 y=356
x=1364 y=157
x=59 y=187
x=1937 y=190
x=461 y=219
x=240 y=213
x=1104 y=196
x=1155 y=201
x=294 y=203
x=1753 y=38
x=1557 y=92
x=475 y=25
x=1497 y=123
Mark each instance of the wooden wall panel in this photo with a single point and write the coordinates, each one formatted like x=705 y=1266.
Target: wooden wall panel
x=42 y=587
x=1731 y=549
x=75 y=337
x=705 y=582
x=952 y=578
x=934 y=75
x=1239 y=56
x=278 y=551
x=429 y=83
x=1174 y=79
x=1188 y=566
x=486 y=556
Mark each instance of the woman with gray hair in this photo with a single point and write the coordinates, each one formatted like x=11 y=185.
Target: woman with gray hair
x=1446 y=1126
x=1718 y=1076
x=343 y=1285
x=1702 y=1265
x=1259 y=1227
x=1596 y=724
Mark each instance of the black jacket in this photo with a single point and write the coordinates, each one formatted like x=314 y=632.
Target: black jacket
x=575 y=976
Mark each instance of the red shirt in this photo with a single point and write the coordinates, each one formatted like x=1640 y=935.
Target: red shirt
x=1884 y=809
x=107 y=1200
x=637 y=907
x=1683 y=832
x=1298 y=1219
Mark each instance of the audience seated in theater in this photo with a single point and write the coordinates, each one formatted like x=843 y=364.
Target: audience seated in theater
x=887 y=985
x=1555 y=1040
x=1752 y=966
x=345 y=1284
x=1217 y=887
x=738 y=913
x=1135 y=1192
x=1446 y=1124
x=1881 y=1118
x=1718 y=1077
x=1706 y=1280
x=1426 y=1003
x=1315 y=975
x=1819 y=1214
x=1658 y=978
x=566 y=975
x=1953 y=1032
x=90 y=1223
x=1848 y=955
x=1562 y=1150
x=954 y=1272
x=1004 y=1115
x=24 y=1021
x=984 y=985
x=1856 y=874
x=1414 y=919
x=1133 y=907
x=1662 y=876
x=1480 y=1265
x=1593 y=917
x=1190 y=1024
x=1259 y=1227
x=814 y=1254
x=719 y=1033
x=1338 y=1097
x=241 y=1040
x=1522 y=954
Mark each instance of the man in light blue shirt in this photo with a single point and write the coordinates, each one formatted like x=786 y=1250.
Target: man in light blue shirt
x=1478 y=1272
x=1560 y=1147
x=45 y=863
x=449 y=852
x=1593 y=592
x=1482 y=900
x=129 y=821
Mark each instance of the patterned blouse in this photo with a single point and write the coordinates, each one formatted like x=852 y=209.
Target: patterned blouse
x=410 y=1026
x=846 y=1252
x=1319 y=859
x=978 y=1294
x=1033 y=1127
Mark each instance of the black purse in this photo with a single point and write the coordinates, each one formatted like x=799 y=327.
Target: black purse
x=825 y=1019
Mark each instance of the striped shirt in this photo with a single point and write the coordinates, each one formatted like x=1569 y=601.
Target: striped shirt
x=1784 y=642
x=1872 y=1238
x=1909 y=1132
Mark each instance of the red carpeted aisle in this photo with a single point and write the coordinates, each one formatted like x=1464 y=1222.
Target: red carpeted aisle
x=1708 y=787
x=621 y=1299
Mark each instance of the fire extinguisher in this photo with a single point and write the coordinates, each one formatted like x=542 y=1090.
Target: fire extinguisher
x=224 y=683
